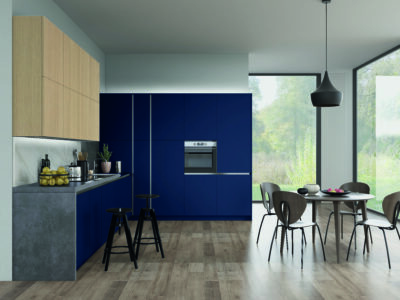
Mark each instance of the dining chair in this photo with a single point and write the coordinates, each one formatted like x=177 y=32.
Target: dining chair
x=358 y=187
x=289 y=207
x=267 y=189
x=391 y=210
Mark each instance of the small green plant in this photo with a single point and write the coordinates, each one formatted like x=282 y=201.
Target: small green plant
x=105 y=155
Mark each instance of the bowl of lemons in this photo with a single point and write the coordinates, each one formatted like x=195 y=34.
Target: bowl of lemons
x=57 y=177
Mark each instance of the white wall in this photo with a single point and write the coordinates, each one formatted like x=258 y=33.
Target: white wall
x=6 y=140
x=57 y=16
x=182 y=73
x=337 y=135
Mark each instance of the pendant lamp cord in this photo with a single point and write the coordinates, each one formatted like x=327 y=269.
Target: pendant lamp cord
x=326 y=36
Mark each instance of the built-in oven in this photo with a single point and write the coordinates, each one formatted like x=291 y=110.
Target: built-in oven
x=200 y=157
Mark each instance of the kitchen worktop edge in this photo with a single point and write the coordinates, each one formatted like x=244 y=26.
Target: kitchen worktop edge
x=73 y=187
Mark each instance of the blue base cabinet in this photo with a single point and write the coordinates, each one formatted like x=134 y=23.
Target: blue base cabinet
x=234 y=196
x=200 y=195
x=167 y=178
x=92 y=220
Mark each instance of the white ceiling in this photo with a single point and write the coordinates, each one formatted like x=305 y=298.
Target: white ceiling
x=279 y=35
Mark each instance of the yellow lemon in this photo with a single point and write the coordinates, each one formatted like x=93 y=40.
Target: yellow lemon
x=44 y=182
x=53 y=172
x=52 y=181
x=61 y=170
x=46 y=170
x=59 y=181
x=66 y=181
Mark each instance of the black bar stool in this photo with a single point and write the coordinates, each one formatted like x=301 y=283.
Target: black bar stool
x=118 y=214
x=147 y=214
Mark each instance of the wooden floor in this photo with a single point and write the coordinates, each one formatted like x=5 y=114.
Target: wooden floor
x=220 y=260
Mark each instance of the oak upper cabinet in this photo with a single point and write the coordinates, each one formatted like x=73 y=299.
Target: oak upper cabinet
x=53 y=49
x=72 y=71
x=51 y=77
x=94 y=79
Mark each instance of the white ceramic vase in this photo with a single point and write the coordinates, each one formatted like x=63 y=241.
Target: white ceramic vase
x=312 y=188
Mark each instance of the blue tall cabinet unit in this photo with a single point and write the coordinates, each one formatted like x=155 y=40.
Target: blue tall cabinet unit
x=161 y=123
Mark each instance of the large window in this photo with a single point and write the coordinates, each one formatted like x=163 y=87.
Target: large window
x=378 y=125
x=284 y=131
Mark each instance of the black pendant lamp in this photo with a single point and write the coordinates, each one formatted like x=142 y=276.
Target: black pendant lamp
x=326 y=95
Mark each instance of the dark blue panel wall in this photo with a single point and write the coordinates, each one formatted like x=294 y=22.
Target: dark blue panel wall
x=234 y=121
x=168 y=178
x=116 y=117
x=141 y=116
x=201 y=117
x=167 y=115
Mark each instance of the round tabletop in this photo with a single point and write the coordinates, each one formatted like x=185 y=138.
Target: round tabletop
x=147 y=196
x=353 y=196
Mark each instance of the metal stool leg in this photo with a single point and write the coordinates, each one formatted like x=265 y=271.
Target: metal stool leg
x=140 y=229
x=129 y=241
x=110 y=241
x=153 y=215
x=153 y=226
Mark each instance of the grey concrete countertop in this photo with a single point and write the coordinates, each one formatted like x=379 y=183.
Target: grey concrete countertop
x=73 y=187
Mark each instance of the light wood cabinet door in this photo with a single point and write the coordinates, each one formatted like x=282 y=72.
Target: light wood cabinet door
x=72 y=70
x=84 y=73
x=53 y=49
x=94 y=79
x=52 y=109
x=94 y=120
x=72 y=114
x=85 y=121
x=27 y=76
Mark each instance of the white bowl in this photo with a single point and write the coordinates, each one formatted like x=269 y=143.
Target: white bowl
x=312 y=188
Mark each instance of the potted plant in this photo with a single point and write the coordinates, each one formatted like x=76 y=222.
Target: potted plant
x=105 y=157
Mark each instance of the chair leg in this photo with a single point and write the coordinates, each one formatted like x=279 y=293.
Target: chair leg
x=365 y=242
x=259 y=230
x=370 y=234
x=351 y=239
x=302 y=238
x=355 y=234
x=276 y=234
x=287 y=241
x=398 y=234
x=322 y=244
x=387 y=249
x=292 y=242
x=305 y=240
x=327 y=226
x=341 y=222
x=270 y=248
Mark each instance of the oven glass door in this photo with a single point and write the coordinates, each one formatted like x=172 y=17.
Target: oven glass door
x=203 y=161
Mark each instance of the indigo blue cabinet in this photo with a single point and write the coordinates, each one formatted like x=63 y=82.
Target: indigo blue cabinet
x=168 y=178
x=141 y=116
x=200 y=195
x=201 y=117
x=141 y=174
x=167 y=117
x=234 y=196
x=234 y=122
x=92 y=220
x=116 y=117
x=88 y=218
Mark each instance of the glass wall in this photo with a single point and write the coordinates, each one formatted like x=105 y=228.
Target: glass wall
x=284 y=131
x=378 y=126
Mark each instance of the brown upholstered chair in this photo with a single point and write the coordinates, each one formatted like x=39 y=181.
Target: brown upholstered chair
x=289 y=207
x=391 y=209
x=358 y=187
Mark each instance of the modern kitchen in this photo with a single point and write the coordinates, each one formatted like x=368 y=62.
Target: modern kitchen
x=138 y=132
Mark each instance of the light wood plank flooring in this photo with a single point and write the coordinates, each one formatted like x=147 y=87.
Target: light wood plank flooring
x=220 y=260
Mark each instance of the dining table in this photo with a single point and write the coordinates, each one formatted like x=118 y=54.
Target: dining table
x=336 y=200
